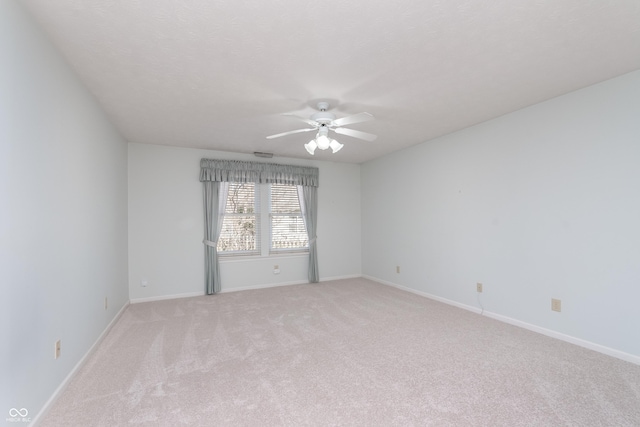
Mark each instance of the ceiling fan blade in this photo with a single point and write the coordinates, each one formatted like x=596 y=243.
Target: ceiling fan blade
x=356 y=134
x=278 y=135
x=307 y=121
x=356 y=118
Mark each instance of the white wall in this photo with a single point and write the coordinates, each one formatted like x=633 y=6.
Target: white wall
x=538 y=204
x=63 y=216
x=166 y=226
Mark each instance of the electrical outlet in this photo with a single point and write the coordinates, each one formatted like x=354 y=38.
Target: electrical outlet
x=398 y=269
x=479 y=287
x=144 y=283
x=106 y=303
x=56 y=353
x=276 y=269
x=556 y=305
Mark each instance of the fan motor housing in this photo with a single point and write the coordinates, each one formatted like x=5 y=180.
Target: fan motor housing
x=323 y=117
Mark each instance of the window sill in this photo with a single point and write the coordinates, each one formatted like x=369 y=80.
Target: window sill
x=240 y=258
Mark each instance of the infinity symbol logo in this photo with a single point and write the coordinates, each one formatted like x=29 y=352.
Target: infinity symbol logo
x=13 y=412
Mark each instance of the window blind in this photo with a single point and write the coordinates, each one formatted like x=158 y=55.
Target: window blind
x=240 y=233
x=288 y=232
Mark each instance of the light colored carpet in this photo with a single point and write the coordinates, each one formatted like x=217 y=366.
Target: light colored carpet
x=349 y=353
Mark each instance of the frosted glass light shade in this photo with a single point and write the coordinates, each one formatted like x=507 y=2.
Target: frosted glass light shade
x=323 y=142
x=335 y=146
x=311 y=146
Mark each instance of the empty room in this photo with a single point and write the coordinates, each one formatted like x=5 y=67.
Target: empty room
x=320 y=213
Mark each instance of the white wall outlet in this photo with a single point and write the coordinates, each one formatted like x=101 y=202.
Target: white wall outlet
x=556 y=305
x=398 y=269
x=56 y=353
x=144 y=283
x=479 y=287
x=276 y=269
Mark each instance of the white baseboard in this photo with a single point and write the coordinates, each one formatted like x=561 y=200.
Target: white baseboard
x=297 y=282
x=47 y=406
x=568 y=338
x=548 y=332
x=426 y=295
x=242 y=288
x=263 y=286
x=163 y=297
x=222 y=291
x=351 y=276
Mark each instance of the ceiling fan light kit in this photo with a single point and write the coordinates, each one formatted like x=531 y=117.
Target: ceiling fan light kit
x=323 y=122
x=323 y=142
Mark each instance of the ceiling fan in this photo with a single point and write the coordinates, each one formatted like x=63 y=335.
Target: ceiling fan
x=323 y=122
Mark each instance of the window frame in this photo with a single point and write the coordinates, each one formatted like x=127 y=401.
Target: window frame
x=262 y=207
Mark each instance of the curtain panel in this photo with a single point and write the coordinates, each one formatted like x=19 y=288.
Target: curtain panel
x=215 y=176
x=308 y=197
x=215 y=201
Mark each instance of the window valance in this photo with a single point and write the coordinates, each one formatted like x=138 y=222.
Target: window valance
x=262 y=173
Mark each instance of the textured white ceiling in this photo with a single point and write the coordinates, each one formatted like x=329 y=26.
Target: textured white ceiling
x=218 y=74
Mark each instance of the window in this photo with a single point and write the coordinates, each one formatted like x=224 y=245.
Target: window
x=241 y=223
x=288 y=232
x=252 y=228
